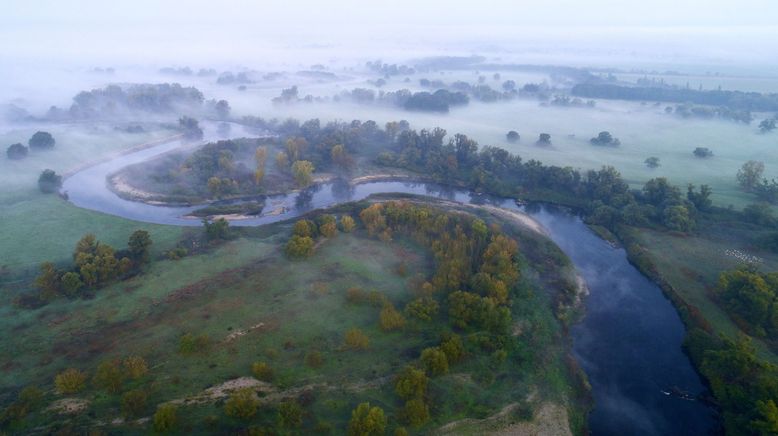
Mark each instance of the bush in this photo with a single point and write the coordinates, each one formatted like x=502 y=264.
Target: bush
x=242 y=404
x=190 y=344
x=133 y=403
x=390 y=319
x=262 y=371
x=356 y=339
x=165 y=418
x=347 y=224
x=290 y=414
x=299 y=247
x=70 y=381
x=367 y=421
x=136 y=367
x=416 y=412
x=434 y=361
x=108 y=377
x=411 y=383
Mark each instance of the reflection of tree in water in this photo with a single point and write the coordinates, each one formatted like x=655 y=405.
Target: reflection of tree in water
x=342 y=190
x=444 y=192
x=305 y=197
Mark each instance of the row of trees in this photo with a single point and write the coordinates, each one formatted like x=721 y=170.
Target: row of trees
x=95 y=264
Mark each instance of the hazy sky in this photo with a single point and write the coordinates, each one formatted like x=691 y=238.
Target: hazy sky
x=199 y=31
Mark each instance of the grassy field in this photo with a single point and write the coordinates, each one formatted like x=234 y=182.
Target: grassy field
x=39 y=227
x=255 y=305
x=692 y=264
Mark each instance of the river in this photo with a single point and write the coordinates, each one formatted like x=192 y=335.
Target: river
x=628 y=342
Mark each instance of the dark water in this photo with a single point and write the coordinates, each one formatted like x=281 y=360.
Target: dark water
x=629 y=342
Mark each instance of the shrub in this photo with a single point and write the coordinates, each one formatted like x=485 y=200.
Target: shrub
x=165 y=418
x=347 y=224
x=108 y=376
x=290 y=414
x=416 y=412
x=242 y=404
x=136 y=367
x=314 y=359
x=262 y=371
x=299 y=246
x=390 y=319
x=133 y=403
x=49 y=181
x=434 y=361
x=190 y=344
x=411 y=383
x=367 y=421
x=70 y=381
x=356 y=339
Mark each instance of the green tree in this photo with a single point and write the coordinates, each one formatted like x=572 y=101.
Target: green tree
x=453 y=347
x=165 y=418
x=299 y=247
x=367 y=421
x=49 y=181
x=48 y=281
x=677 y=218
x=305 y=228
x=434 y=361
x=71 y=283
x=390 y=319
x=136 y=367
x=16 y=152
x=701 y=200
x=139 y=244
x=422 y=308
x=347 y=224
x=411 y=383
x=242 y=404
x=416 y=412
x=302 y=171
x=216 y=230
x=652 y=162
x=41 y=140
x=767 y=423
x=749 y=175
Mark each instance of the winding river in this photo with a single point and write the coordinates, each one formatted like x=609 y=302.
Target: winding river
x=628 y=343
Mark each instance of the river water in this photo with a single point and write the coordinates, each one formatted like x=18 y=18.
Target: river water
x=628 y=343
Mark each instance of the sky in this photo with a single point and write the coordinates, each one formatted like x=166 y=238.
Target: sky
x=192 y=31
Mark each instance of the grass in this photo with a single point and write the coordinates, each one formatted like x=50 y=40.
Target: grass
x=692 y=264
x=285 y=309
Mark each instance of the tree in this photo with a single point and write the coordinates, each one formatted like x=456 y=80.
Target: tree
x=677 y=218
x=416 y=412
x=16 y=151
x=767 y=125
x=390 y=319
x=299 y=247
x=165 y=418
x=512 y=136
x=702 y=152
x=434 y=361
x=49 y=181
x=139 y=244
x=367 y=421
x=290 y=414
x=453 y=347
x=356 y=339
x=411 y=383
x=190 y=127
x=750 y=174
x=41 y=140
x=302 y=170
x=605 y=138
x=759 y=213
x=134 y=403
x=136 y=367
x=422 y=308
x=222 y=108
x=262 y=371
x=242 y=404
x=70 y=381
x=341 y=158
x=701 y=200
x=217 y=229
x=48 y=281
x=282 y=160
x=652 y=162
x=260 y=156
x=347 y=224
x=767 y=423
x=544 y=139
x=71 y=283
x=108 y=377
